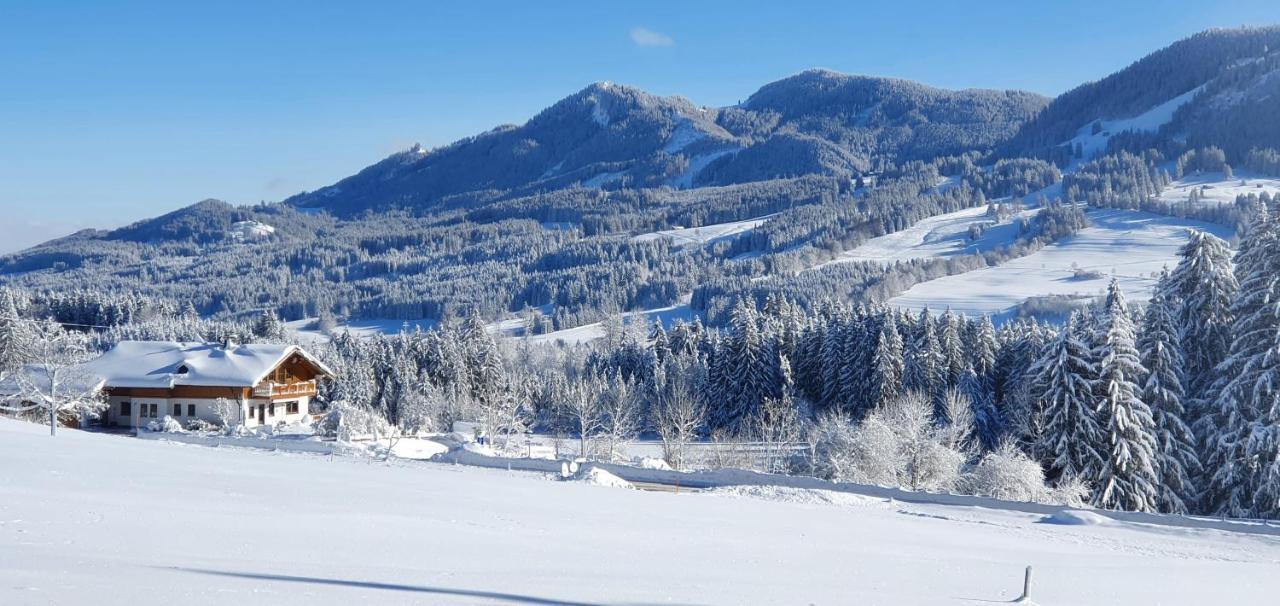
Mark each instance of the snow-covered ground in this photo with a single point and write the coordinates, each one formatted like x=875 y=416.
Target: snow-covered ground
x=590 y=332
x=697 y=163
x=1130 y=245
x=99 y=519
x=1148 y=121
x=938 y=236
x=1215 y=189
x=306 y=330
x=705 y=234
x=250 y=230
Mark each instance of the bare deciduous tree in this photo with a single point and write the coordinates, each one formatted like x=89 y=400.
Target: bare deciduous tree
x=54 y=380
x=678 y=411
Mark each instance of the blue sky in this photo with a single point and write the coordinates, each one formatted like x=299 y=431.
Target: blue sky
x=109 y=114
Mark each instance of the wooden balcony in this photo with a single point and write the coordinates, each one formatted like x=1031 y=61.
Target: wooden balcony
x=277 y=391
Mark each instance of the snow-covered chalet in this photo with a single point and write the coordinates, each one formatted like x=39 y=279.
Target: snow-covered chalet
x=249 y=384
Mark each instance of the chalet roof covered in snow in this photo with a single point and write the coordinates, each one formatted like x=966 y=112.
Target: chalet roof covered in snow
x=162 y=364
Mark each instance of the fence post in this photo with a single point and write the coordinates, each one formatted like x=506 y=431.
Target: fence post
x=1026 y=586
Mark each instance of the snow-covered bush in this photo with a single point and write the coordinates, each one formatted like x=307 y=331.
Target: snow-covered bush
x=166 y=425
x=831 y=447
x=902 y=441
x=201 y=426
x=1072 y=491
x=228 y=412
x=898 y=445
x=327 y=425
x=1008 y=473
x=349 y=422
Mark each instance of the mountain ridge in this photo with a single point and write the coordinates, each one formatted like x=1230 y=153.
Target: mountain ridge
x=544 y=216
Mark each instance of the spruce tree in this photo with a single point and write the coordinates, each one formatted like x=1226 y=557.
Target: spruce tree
x=1176 y=459
x=833 y=360
x=750 y=372
x=1244 y=463
x=1064 y=426
x=1128 y=479
x=1205 y=285
x=887 y=364
x=955 y=364
x=982 y=349
x=924 y=369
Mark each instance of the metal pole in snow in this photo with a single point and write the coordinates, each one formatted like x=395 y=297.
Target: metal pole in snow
x=1026 y=586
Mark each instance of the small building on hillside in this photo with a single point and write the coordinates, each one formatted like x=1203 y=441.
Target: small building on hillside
x=250 y=385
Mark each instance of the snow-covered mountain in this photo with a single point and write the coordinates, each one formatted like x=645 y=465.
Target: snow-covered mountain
x=614 y=199
x=615 y=136
x=1213 y=88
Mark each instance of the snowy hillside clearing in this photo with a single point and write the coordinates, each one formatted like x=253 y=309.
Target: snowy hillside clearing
x=705 y=234
x=1215 y=189
x=196 y=525
x=938 y=236
x=590 y=332
x=697 y=163
x=250 y=230
x=1132 y=246
x=308 y=332
x=1148 y=121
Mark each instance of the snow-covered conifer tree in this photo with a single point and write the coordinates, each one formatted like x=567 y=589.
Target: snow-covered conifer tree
x=1127 y=440
x=924 y=372
x=1176 y=459
x=955 y=364
x=1243 y=458
x=1205 y=284
x=887 y=364
x=269 y=326
x=1064 y=426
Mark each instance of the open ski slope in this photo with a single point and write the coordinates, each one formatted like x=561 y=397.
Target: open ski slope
x=106 y=520
x=1129 y=245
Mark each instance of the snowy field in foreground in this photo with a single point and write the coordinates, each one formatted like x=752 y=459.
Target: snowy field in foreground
x=1130 y=245
x=96 y=519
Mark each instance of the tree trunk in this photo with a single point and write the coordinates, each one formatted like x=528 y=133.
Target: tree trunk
x=53 y=421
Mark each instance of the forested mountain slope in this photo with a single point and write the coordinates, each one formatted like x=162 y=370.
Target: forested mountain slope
x=1224 y=74
x=570 y=217
x=618 y=137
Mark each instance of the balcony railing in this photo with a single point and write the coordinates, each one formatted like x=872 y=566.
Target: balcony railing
x=271 y=389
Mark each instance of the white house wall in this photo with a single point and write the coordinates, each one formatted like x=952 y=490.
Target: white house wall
x=205 y=409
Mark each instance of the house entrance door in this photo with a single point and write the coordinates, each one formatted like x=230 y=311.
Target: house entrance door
x=262 y=414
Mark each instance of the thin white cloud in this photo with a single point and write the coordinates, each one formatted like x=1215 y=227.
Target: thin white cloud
x=647 y=37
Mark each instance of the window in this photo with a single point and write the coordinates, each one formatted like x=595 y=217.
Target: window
x=291 y=407
x=177 y=410
x=152 y=410
x=271 y=410
x=191 y=410
x=126 y=409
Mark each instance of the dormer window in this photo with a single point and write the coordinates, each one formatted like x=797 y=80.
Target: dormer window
x=182 y=370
